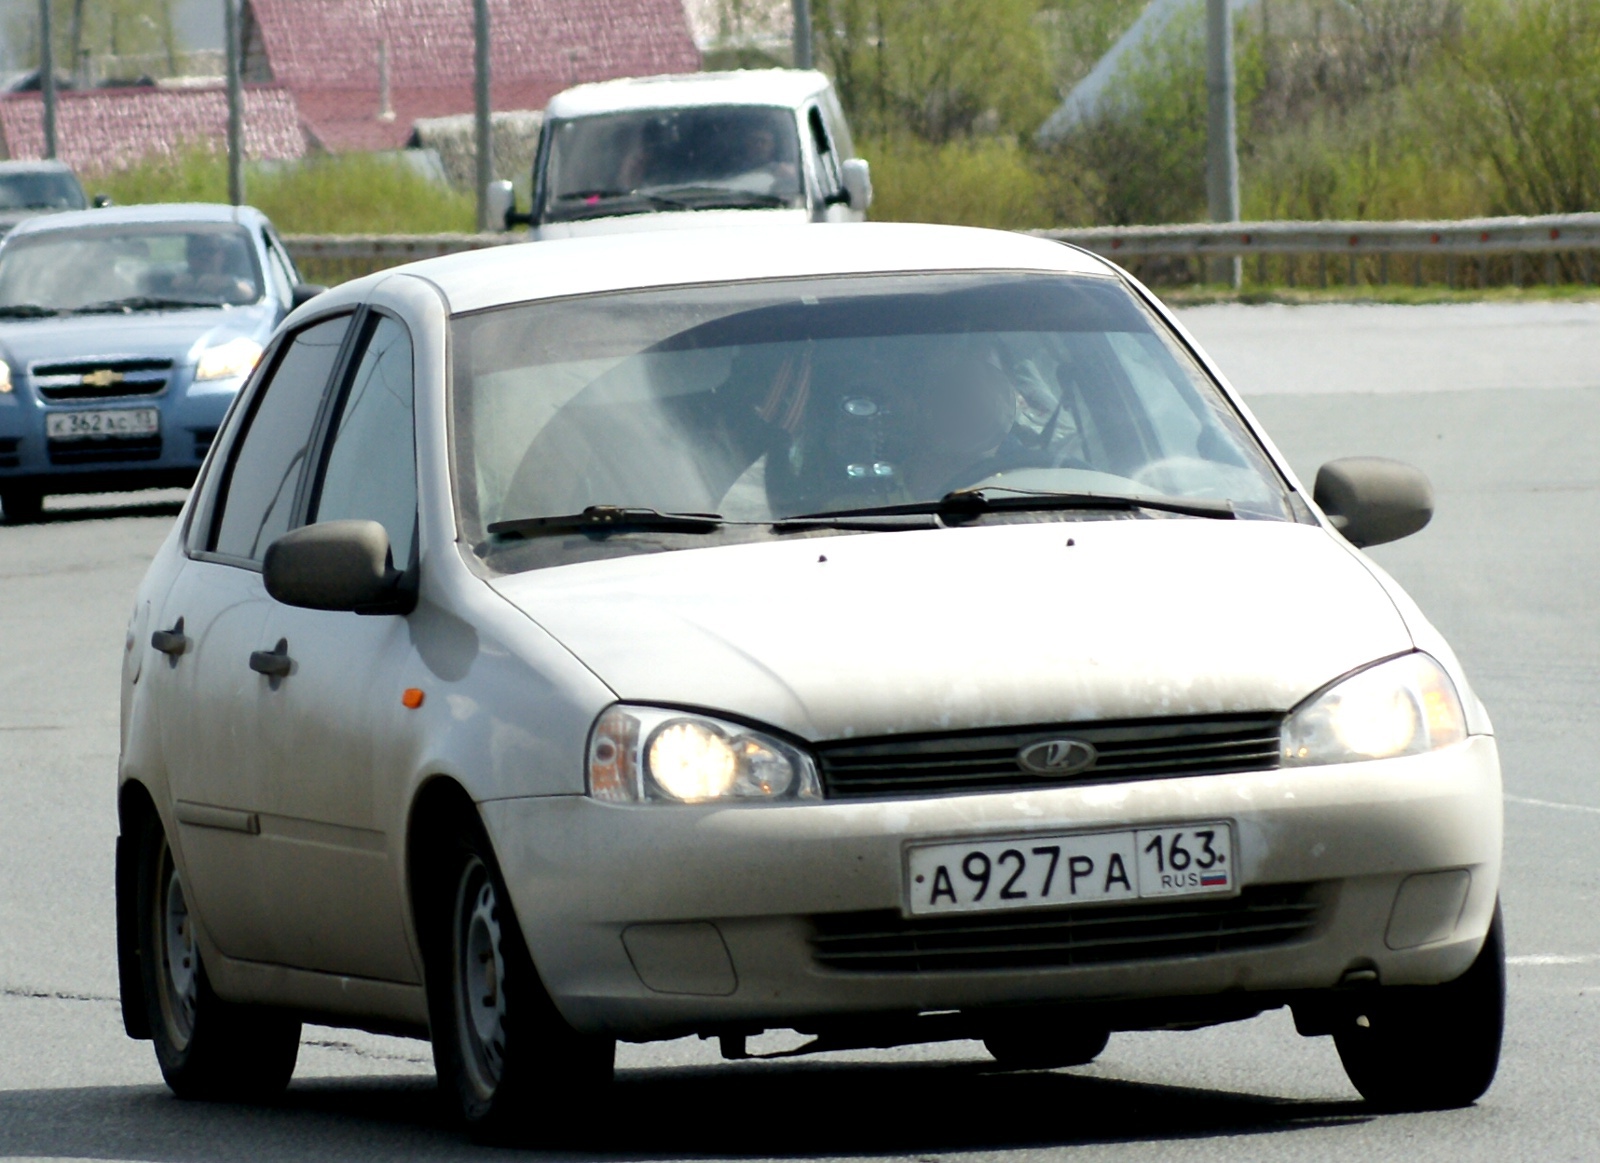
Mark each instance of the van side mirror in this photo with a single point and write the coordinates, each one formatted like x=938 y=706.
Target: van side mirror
x=1373 y=500
x=336 y=565
x=303 y=293
x=857 y=178
x=100 y=201
x=503 y=212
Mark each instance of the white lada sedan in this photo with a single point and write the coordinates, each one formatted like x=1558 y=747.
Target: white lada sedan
x=888 y=633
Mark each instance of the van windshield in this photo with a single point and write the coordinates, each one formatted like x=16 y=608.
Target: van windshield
x=699 y=158
x=761 y=403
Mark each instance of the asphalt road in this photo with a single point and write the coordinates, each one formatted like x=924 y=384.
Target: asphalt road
x=1500 y=405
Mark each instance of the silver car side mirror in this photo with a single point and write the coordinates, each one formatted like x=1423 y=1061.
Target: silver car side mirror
x=856 y=176
x=1373 y=500
x=336 y=565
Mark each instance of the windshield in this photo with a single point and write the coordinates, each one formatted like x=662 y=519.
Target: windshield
x=131 y=267
x=766 y=401
x=694 y=158
x=40 y=191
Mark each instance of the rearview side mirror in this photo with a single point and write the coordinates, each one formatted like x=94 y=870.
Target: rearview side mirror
x=336 y=565
x=303 y=293
x=856 y=176
x=1373 y=500
x=503 y=212
x=100 y=201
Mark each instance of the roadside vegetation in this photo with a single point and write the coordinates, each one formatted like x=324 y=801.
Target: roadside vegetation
x=1365 y=109
x=343 y=194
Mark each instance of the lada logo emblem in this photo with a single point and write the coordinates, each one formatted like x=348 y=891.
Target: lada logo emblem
x=104 y=378
x=1056 y=757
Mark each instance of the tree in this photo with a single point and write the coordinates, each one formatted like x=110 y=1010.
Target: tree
x=935 y=68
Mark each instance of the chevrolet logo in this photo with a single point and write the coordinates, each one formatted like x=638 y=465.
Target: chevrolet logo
x=103 y=378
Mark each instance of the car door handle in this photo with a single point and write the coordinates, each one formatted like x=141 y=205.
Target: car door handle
x=171 y=642
x=274 y=663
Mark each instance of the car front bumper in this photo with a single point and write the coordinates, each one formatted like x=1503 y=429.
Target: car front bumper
x=714 y=906
x=189 y=420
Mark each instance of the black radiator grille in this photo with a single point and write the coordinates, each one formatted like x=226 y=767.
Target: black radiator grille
x=886 y=942
x=10 y=454
x=104 y=451
x=977 y=761
x=104 y=379
x=202 y=441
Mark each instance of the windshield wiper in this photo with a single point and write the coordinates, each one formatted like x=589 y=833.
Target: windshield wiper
x=27 y=311
x=722 y=197
x=140 y=303
x=659 y=200
x=609 y=518
x=968 y=503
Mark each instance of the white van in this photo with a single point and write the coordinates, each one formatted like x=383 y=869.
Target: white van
x=646 y=153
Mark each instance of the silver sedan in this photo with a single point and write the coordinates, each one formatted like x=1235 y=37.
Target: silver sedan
x=888 y=633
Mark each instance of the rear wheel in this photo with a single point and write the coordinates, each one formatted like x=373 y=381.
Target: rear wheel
x=206 y=1047
x=1043 y=1044
x=514 y=1068
x=1430 y=1047
x=21 y=505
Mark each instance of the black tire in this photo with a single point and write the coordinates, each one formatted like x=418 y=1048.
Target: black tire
x=21 y=506
x=509 y=1064
x=1044 y=1045
x=1430 y=1047
x=206 y=1047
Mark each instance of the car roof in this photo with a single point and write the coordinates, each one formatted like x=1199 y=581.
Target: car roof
x=198 y=212
x=522 y=272
x=34 y=167
x=788 y=87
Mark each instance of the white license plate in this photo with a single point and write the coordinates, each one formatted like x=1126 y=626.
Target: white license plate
x=114 y=423
x=1082 y=868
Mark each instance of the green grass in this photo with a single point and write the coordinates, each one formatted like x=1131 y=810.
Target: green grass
x=1395 y=294
x=343 y=194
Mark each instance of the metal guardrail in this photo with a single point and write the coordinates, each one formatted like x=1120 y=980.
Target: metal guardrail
x=1476 y=250
x=1479 y=250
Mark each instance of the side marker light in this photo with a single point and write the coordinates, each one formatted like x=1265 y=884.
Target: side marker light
x=411 y=698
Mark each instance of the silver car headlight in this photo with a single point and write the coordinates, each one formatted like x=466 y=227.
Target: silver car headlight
x=1405 y=706
x=643 y=754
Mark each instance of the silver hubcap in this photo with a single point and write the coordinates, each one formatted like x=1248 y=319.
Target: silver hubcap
x=180 y=961
x=480 y=979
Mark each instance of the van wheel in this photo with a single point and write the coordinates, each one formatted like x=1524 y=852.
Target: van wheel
x=510 y=1063
x=1045 y=1046
x=206 y=1047
x=1431 y=1047
x=21 y=506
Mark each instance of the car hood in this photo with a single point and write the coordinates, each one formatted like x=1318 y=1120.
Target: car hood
x=176 y=335
x=667 y=220
x=1071 y=621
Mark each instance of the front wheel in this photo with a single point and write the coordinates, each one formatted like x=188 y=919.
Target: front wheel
x=1430 y=1047
x=21 y=505
x=206 y=1047
x=514 y=1068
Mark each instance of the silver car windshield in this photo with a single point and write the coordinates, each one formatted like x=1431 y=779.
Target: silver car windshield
x=713 y=157
x=130 y=268
x=759 y=402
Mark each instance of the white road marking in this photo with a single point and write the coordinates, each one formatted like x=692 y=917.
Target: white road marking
x=1532 y=803
x=1555 y=959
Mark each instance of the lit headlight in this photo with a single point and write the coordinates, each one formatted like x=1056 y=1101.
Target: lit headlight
x=1405 y=706
x=237 y=357
x=5 y=377
x=642 y=753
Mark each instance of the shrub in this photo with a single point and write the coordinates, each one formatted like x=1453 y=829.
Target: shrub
x=331 y=194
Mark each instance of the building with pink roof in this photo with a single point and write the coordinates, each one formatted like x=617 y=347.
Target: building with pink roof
x=314 y=73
